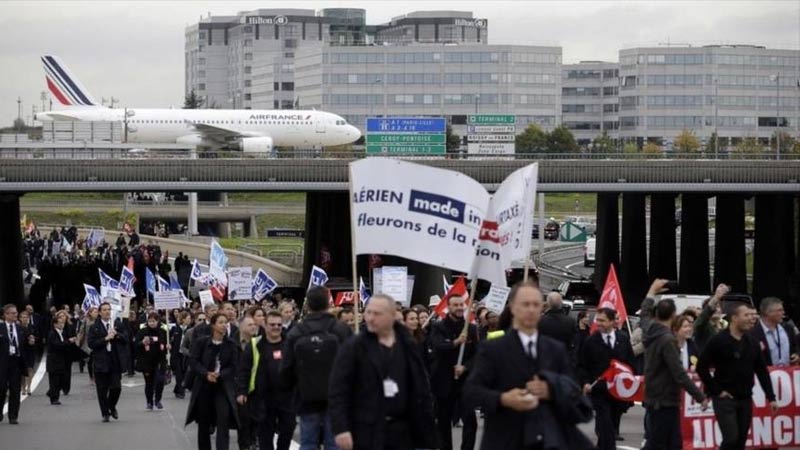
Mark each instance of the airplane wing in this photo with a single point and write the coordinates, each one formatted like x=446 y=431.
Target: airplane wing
x=219 y=134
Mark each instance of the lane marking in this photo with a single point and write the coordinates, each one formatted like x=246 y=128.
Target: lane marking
x=37 y=378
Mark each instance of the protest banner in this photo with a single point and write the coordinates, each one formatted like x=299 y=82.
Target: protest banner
x=206 y=298
x=782 y=429
x=240 y=283
x=377 y=280
x=495 y=300
x=167 y=300
x=263 y=284
x=394 y=283
x=318 y=277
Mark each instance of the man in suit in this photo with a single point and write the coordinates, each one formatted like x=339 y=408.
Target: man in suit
x=777 y=342
x=13 y=340
x=448 y=373
x=599 y=349
x=177 y=359
x=108 y=342
x=556 y=323
x=58 y=343
x=523 y=384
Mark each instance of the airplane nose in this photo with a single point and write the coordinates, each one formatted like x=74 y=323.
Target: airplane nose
x=354 y=133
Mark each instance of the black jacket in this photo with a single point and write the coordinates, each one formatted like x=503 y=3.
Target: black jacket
x=502 y=364
x=758 y=333
x=559 y=326
x=176 y=335
x=22 y=339
x=116 y=360
x=153 y=356
x=58 y=353
x=313 y=321
x=595 y=358
x=445 y=355
x=663 y=370
x=202 y=361
x=269 y=391
x=356 y=399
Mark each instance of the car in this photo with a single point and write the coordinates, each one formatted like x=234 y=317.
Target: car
x=551 y=230
x=589 y=252
x=586 y=224
x=579 y=292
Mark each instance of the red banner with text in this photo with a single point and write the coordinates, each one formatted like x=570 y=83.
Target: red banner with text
x=782 y=429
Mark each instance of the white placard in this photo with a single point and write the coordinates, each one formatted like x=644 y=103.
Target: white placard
x=107 y=293
x=240 y=283
x=496 y=300
x=206 y=298
x=125 y=303
x=377 y=281
x=167 y=300
x=490 y=148
x=394 y=282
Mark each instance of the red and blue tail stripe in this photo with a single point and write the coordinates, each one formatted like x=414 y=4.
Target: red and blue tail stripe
x=67 y=90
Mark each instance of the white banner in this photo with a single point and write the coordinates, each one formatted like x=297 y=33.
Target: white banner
x=217 y=261
x=394 y=283
x=505 y=234
x=417 y=212
x=377 y=281
x=167 y=300
x=240 y=283
x=495 y=301
x=206 y=298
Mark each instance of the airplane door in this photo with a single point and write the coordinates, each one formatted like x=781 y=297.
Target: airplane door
x=320 y=126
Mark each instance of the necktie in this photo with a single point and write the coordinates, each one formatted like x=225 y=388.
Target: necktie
x=608 y=341
x=531 y=349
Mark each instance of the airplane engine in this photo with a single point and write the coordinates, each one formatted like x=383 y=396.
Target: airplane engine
x=256 y=144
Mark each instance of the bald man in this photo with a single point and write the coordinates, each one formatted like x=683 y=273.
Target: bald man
x=556 y=323
x=380 y=398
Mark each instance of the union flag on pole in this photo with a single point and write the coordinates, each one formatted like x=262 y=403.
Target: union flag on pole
x=612 y=298
x=622 y=383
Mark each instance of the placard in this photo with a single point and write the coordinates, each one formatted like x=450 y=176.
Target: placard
x=496 y=300
x=206 y=298
x=394 y=282
x=240 y=283
x=165 y=300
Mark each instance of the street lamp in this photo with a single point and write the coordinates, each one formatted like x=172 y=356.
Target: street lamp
x=716 y=118
x=477 y=98
x=777 y=79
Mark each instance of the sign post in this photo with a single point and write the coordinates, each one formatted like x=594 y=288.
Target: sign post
x=491 y=134
x=404 y=135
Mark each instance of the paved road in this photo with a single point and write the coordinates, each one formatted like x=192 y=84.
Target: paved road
x=76 y=425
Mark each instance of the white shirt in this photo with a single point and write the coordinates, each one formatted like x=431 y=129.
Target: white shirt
x=13 y=338
x=60 y=335
x=526 y=339
x=685 y=355
x=777 y=343
x=108 y=327
x=611 y=335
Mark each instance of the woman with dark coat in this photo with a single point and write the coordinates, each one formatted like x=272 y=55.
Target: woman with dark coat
x=151 y=359
x=58 y=354
x=213 y=402
x=30 y=354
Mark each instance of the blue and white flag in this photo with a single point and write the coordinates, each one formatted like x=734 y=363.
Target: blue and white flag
x=65 y=245
x=163 y=285
x=445 y=285
x=263 y=284
x=173 y=282
x=106 y=281
x=363 y=293
x=126 y=282
x=95 y=238
x=196 y=274
x=150 y=280
x=91 y=299
x=318 y=277
x=217 y=261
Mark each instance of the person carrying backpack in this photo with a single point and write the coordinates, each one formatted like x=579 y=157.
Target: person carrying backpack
x=308 y=355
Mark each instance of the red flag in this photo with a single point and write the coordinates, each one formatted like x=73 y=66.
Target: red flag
x=344 y=298
x=130 y=266
x=612 y=298
x=459 y=289
x=622 y=383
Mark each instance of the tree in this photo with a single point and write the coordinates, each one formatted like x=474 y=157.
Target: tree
x=787 y=142
x=748 y=146
x=193 y=101
x=561 y=140
x=19 y=125
x=713 y=146
x=686 y=142
x=652 y=148
x=630 y=147
x=532 y=140
x=603 y=144
x=452 y=141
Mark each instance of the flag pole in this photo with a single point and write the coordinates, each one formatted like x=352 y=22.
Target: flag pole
x=526 y=270
x=472 y=288
x=356 y=300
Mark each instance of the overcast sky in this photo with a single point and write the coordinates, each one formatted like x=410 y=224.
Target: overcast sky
x=134 y=50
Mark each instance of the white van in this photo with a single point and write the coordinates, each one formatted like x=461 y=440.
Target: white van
x=588 y=252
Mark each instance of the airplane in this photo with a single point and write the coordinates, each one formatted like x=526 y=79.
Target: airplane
x=248 y=130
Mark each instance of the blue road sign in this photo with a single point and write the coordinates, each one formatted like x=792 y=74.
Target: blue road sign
x=406 y=125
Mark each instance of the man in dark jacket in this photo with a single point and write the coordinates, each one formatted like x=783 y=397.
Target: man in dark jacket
x=599 y=349
x=177 y=360
x=448 y=373
x=308 y=356
x=556 y=323
x=665 y=377
x=777 y=341
x=57 y=356
x=109 y=344
x=379 y=392
x=522 y=382
x=12 y=361
x=258 y=385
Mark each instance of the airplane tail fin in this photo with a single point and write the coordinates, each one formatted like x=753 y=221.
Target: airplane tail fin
x=64 y=86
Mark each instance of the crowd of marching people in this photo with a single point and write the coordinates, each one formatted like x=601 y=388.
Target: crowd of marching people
x=394 y=377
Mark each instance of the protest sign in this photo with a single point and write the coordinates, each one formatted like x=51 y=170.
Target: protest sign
x=206 y=298
x=167 y=300
x=495 y=301
x=240 y=283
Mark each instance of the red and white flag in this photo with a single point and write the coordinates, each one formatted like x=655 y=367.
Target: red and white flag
x=344 y=298
x=612 y=298
x=458 y=289
x=622 y=383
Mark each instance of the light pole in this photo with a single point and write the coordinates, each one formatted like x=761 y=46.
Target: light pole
x=477 y=99
x=777 y=78
x=716 y=118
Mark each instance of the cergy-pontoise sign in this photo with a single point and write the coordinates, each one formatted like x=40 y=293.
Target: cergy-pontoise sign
x=266 y=20
x=477 y=23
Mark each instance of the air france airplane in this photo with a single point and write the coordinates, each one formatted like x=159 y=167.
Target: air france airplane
x=245 y=129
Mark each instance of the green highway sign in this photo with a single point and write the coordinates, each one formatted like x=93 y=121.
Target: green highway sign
x=403 y=148
x=406 y=139
x=491 y=119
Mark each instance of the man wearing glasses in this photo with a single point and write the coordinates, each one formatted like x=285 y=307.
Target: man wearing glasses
x=258 y=383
